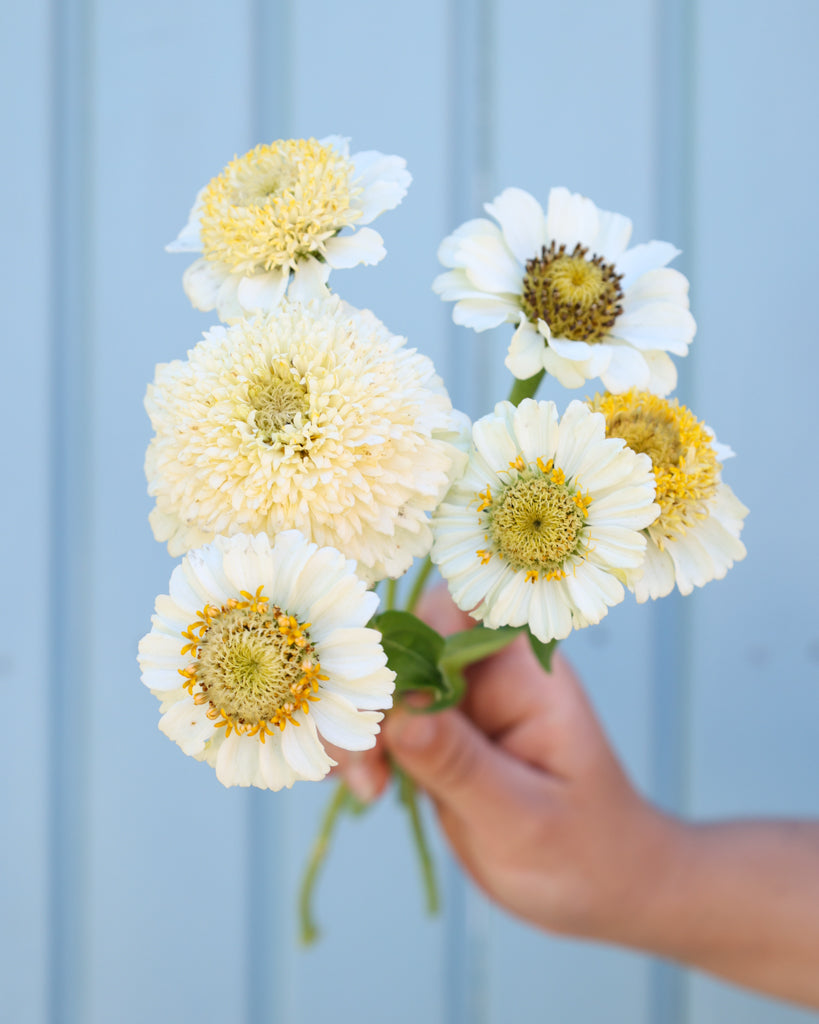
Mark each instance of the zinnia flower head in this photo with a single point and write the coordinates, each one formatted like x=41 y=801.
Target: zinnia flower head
x=695 y=538
x=261 y=649
x=585 y=305
x=546 y=522
x=273 y=218
x=316 y=419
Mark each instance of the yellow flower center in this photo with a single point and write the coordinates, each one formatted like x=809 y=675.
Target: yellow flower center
x=256 y=667
x=277 y=204
x=578 y=296
x=535 y=521
x=278 y=402
x=686 y=469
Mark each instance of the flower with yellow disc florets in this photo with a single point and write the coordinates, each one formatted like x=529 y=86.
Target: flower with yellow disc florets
x=545 y=525
x=585 y=305
x=261 y=650
x=695 y=539
x=282 y=216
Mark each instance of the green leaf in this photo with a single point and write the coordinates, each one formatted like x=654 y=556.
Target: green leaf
x=543 y=652
x=412 y=648
x=464 y=649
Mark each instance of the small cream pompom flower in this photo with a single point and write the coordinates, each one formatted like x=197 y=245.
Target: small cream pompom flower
x=585 y=305
x=695 y=539
x=281 y=217
x=259 y=651
x=545 y=526
x=316 y=419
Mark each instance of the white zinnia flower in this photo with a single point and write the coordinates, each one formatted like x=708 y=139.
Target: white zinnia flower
x=257 y=650
x=695 y=538
x=316 y=419
x=273 y=217
x=546 y=522
x=586 y=305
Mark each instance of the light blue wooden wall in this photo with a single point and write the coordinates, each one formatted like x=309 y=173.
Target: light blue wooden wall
x=133 y=886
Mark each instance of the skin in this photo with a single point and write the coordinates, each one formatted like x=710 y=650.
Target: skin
x=538 y=810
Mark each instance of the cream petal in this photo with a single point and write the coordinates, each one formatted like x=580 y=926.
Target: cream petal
x=309 y=281
x=550 y=617
x=571 y=218
x=663 y=373
x=262 y=293
x=352 y=651
x=237 y=763
x=492 y=440
x=535 y=426
x=189 y=238
x=341 y=724
x=188 y=725
x=275 y=771
x=525 y=356
x=579 y=429
x=564 y=371
x=593 y=591
x=364 y=246
x=657 y=325
x=662 y=285
x=657 y=579
x=227 y=301
x=522 y=221
x=510 y=605
x=340 y=143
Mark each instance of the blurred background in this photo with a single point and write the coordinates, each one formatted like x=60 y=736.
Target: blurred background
x=133 y=886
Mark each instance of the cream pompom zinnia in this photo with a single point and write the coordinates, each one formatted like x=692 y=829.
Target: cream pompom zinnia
x=316 y=419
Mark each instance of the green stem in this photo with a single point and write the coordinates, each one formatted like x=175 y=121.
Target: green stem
x=408 y=794
x=389 y=597
x=318 y=855
x=418 y=584
x=525 y=388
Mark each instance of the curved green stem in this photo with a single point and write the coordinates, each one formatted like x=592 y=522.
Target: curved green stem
x=408 y=794
x=318 y=855
x=389 y=597
x=525 y=388
x=418 y=584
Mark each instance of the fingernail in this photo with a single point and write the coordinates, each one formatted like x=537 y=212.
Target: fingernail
x=409 y=731
x=360 y=782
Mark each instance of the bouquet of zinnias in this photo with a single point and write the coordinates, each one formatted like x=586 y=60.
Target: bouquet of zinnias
x=304 y=457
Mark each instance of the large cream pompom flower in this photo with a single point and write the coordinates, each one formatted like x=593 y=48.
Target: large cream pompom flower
x=258 y=651
x=586 y=306
x=273 y=218
x=545 y=525
x=316 y=419
x=695 y=538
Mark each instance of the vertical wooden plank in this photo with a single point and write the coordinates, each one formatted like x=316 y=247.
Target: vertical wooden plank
x=574 y=106
x=754 y=673
x=376 y=74
x=168 y=847
x=25 y=754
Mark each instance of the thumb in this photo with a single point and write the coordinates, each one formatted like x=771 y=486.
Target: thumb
x=454 y=762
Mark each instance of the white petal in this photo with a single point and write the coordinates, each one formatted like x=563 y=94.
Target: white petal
x=276 y=772
x=490 y=266
x=189 y=238
x=303 y=750
x=593 y=591
x=484 y=313
x=237 y=763
x=536 y=429
x=657 y=579
x=648 y=256
x=564 y=371
x=227 y=301
x=365 y=246
x=202 y=281
x=627 y=369
x=449 y=251
x=188 y=725
x=522 y=221
x=663 y=372
x=337 y=142
x=492 y=440
x=385 y=180
x=657 y=325
x=340 y=723
x=550 y=618
x=571 y=218
x=613 y=234
x=525 y=356
x=262 y=293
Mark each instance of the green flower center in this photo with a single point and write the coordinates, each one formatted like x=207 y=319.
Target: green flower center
x=255 y=667
x=278 y=404
x=578 y=296
x=535 y=522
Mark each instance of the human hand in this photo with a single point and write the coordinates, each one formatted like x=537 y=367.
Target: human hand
x=528 y=791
